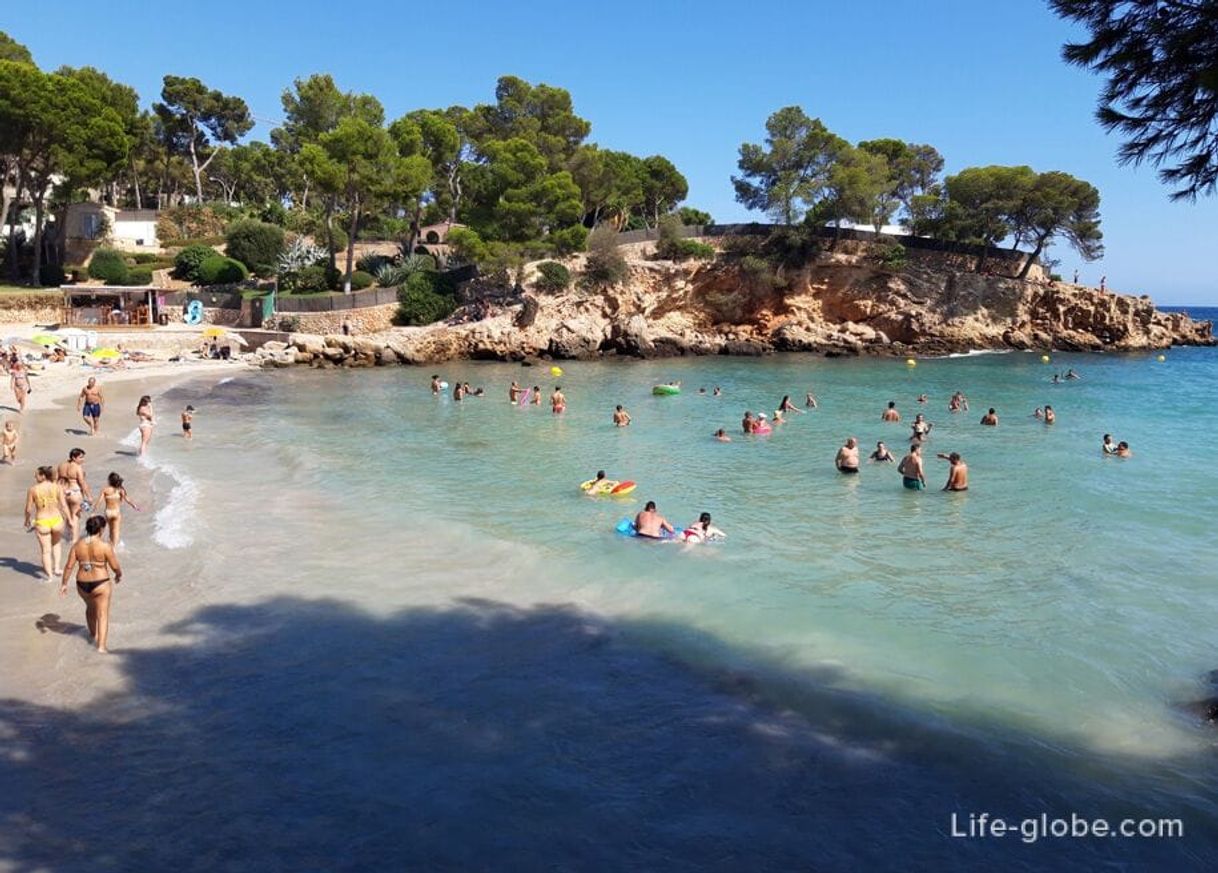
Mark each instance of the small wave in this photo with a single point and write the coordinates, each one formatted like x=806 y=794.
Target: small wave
x=172 y=525
x=972 y=353
x=225 y=380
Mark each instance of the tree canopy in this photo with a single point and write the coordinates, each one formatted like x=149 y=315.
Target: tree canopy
x=1161 y=92
x=201 y=118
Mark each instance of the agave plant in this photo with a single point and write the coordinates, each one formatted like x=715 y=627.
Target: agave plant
x=297 y=255
x=397 y=274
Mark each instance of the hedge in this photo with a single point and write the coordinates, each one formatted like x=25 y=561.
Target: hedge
x=186 y=262
x=219 y=270
x=109 y=266
x=255 y=244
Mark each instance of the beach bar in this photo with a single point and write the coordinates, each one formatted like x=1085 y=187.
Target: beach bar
x=102 y=306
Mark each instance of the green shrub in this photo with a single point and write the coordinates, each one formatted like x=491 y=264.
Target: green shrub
x=186 y=262
x=274 y=213
x=569 y=240
x=109 y=266
x=141 y=275
x=255 y=244
x=605 y=265
x=50 y=275
x=310 y=280
x=685 y=250
x=145 y=257
x=372 y=264
x=219 y=270
x=552 y=277
x=694 y=217
x=361 y=280
x=424 y=299
x=892 y=256
x=1053 y=277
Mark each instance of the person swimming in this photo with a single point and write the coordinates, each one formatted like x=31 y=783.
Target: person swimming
x=923 y=398
x=621 y=417
x=435 y=384
x=882 y=454
x=990 y=419
x=702 y=531
x=1108 y=447
x=558 y=402
x=787 y=406
x=1038 y=413
x=810 y=400
x=722 y=436
x=650 y=524
x=891 y=414
x=1123 y=450
x=749 y=424
x=1050 y=415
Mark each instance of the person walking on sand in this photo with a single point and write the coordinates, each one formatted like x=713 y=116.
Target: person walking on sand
x=114 y=495
x=188 y=423
x=93 y=560
x=75 y=487
x=990 y=419
x=19 y=380
x=910 y=469
x=89 y=404
x=9 y=438
x=847 y=460
x=891 y=414
x=143 y=413
x=45 y=513
x=957 y=474
x=558 y=403
x=621 y=417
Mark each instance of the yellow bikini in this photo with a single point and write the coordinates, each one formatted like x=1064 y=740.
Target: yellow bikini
x=44 y=501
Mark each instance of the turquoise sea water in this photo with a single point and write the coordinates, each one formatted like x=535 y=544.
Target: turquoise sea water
x=399 y=614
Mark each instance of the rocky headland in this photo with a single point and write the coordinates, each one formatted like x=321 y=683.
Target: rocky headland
x=844 y=303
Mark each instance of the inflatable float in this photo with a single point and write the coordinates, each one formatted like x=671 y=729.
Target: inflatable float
x=665 y=390
x=523 y=398
x=626 y=528
x=763 y=430
x=610 y=487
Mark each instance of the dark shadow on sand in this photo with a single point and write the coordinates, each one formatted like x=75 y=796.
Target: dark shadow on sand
x=19 y=566
x=130 y=453
x=52 y=623
x=75 y=431
x=308 y=735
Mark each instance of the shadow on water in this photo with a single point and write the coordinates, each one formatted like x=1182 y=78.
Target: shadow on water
x=306 y=735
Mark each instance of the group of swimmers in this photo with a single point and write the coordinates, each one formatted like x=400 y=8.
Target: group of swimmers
x=649 y=524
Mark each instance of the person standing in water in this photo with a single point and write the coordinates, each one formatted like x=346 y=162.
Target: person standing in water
x=114 y=496
x=920 y=428
x=1108 y=447
x=93 y=559
x=891 y=414
x=1050 y=415
x=188 y=421
x=957 y=474
x=536 y=395
x=651 y=524
x=558 y=403
x=990 y=419
x=847 y=460
x=721 y=436
x=45 y=513
x=143 y=412
x=435 y=384
x=748 y=424
x=910 y=469
x=1123 y=450
x=89 y=404
x=882 y=454
x=514 y=391
x=9 y=438
x=788 y=406
x=810 y=400
x=75 y=487
x=621 y=417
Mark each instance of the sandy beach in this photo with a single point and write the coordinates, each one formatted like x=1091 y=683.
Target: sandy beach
x=31 y=608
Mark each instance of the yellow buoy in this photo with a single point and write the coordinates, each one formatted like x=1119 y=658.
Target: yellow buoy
x=1162 y=358
x=910 y=362
x=1044 y=359
x=556 y=371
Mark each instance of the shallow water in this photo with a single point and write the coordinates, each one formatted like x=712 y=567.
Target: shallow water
x=354 y=569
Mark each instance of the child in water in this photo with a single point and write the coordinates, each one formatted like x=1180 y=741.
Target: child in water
x=188 y=416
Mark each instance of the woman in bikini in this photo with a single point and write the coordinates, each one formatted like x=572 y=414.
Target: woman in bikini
x=115 y=496
x=144 y=413
x=93 y=560
x=20 y=382
x=45 y=511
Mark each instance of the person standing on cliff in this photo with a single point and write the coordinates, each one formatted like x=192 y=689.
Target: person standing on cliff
x=1075 y=277
x=1103 y=283
x=891 y=414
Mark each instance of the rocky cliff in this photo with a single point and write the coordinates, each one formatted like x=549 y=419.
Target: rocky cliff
x=843 y=303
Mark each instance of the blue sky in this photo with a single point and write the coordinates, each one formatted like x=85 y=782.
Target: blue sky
x=982 y=82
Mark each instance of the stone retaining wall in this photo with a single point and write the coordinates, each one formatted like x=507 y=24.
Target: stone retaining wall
x=370 y=319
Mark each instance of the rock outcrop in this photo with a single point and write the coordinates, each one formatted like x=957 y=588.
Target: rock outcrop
x=843 y=304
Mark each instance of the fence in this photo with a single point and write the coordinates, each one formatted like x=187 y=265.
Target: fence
x=758 y=229
x=336 y=302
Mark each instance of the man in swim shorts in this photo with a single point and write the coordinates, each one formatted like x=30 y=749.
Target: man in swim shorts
x=847 y=460
x=650 y=523
x=910 y=469
x=514 y=391
x=990 y=419
x=89 y=405
x=748 y=424
x=957 y=475
x=891 y=414
x=621 y=417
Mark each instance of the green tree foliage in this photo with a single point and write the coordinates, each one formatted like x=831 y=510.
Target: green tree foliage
x=539 y=114
x=255 y=244
x=425 y=298
x=691 y=217
x=790 y=172
x=856 y=190
x=519 y=198
x=186 y=262
x=248 y=174
x=201 y=118
x=913 y=170
x=1060 y=205
x=984 y=204
x=552 y=277
x=109 y=267
x=11 y=50
x=1161 y=94
x=663 y=187
x=219 y=270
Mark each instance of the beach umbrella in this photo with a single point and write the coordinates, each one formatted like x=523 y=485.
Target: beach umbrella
x=214 y=332
x=106 y=353
x=45 y=339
